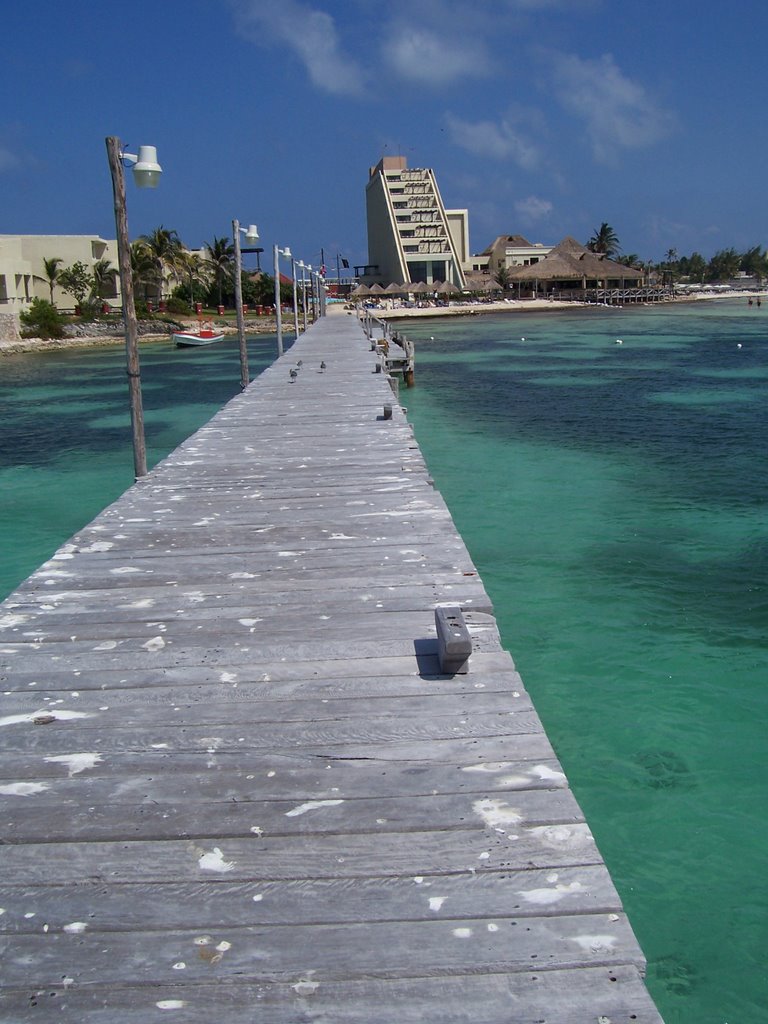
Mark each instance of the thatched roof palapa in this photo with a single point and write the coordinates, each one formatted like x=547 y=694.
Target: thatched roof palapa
x=572 y=261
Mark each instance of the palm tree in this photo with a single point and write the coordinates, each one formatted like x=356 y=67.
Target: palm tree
x=51 y=268
x=165 y=247
x=501 y=277
x=142 y=267
x=193 y=268
x=605 y=241
x=631 y=260
x=221 y=261
x=103 y=277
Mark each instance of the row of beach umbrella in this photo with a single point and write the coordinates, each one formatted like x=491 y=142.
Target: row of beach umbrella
x=407 y=288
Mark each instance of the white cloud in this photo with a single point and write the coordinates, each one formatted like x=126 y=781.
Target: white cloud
x=310 y=33
x=533 y=209
x=498 y=140
x=617 y=111
x=421 y=55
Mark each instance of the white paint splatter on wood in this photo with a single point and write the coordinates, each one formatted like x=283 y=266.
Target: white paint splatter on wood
x=311 y=805
x=76 y=763
x=544 y=897
x=23 y=788
x=496 y=813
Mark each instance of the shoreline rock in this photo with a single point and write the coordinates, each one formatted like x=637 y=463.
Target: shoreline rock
x=97 y=335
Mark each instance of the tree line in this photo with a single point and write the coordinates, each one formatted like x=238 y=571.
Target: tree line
x=163 y=269
x=724 y=265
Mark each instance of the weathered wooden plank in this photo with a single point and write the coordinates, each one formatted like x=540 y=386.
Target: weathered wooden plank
x=335 y=952
x=292 y=776
x=226 y=703
x=589 y=994
x=584 y=889
x=491 y=669
x=52 y=727
x=57 y=812
x=194 y=625
x=260 y=858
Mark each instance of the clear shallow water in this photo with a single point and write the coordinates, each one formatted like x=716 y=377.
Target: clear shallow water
x=65 y=436
x=614 y=500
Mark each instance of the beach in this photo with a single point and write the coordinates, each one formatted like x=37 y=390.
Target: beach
x=392 y=311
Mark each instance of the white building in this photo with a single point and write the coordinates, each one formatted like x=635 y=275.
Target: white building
x=22 y=277
x=510 y=252
x=411 y=235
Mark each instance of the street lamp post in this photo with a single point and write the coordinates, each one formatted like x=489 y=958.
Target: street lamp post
x=295 y=298
x=251 y=235
x=276 y=254
x=146 y=174
x=304 y=268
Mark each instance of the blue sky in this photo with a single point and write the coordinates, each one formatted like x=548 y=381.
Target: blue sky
x=542 y=117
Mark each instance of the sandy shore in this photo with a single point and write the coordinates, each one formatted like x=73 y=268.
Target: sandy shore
x=540 y=305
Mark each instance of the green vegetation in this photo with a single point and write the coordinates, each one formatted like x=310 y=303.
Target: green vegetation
x=52 y=272
x=221 y=263
x=605 y=241
x=724 y=265
x=77 y=281
x=164 y=249
x=41 y=320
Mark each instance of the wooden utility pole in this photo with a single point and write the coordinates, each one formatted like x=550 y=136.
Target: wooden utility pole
x=114 y=152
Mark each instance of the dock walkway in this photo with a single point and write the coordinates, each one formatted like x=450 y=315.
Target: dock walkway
x=235 y=785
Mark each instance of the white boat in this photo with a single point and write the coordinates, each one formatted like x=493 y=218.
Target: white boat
x=204 y=335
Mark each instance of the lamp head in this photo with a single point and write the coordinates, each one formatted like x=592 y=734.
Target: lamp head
x=287 y=252
x=146 y=169
x=251 y=233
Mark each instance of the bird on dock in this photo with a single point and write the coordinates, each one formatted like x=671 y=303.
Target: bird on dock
x=322 y=366
x=300 y=363
x=293 y=374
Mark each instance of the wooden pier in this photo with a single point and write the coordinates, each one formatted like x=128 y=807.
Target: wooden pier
x=235 y=783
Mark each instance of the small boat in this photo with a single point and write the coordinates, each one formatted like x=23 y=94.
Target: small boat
x=204 y=335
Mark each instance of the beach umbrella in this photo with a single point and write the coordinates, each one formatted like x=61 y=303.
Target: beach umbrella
x=394 y=289
x=360 y=290
x=376 y=289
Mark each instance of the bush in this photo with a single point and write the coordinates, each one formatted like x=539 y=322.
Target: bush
x=177 y=305
x=41 y=320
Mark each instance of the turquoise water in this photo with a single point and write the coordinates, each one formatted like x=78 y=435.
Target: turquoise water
x=65 y=436
x=614 y=499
